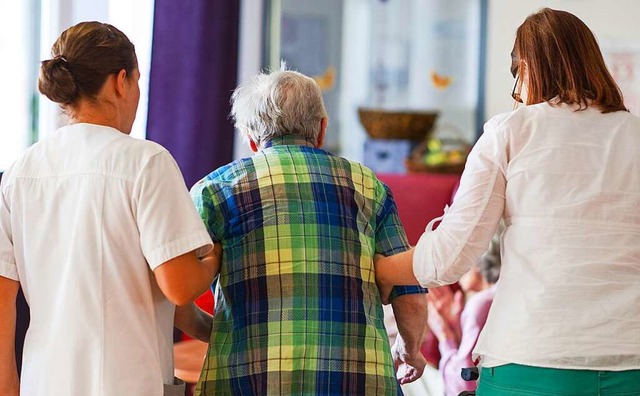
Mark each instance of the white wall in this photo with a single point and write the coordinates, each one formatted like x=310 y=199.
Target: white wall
x=16 y=68
x=612 y=21
x=135 y=19
x=249 y=57
x=354 y=89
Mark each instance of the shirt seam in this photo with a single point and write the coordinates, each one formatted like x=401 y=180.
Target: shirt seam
x=8 y=262
x=51 y=176
x=9 y=271
x=102 y=299
x=503 y=361
x=549 y=221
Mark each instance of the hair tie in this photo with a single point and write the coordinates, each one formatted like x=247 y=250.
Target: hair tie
x=62 y=58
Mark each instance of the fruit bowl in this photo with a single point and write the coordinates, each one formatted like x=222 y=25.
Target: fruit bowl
x=397 y=124
x=439 y=156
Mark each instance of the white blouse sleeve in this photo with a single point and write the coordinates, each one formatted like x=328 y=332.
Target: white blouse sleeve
x=167 y=220
x=442 y=256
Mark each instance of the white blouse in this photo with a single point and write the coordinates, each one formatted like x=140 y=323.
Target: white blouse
x=567 y=184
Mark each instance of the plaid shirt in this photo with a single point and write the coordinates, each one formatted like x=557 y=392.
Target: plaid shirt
x=297 y=309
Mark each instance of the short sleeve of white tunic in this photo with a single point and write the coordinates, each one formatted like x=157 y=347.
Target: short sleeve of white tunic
x=8 y=267
x=167 y=220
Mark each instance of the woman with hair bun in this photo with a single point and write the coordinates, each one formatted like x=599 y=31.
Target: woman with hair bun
x=564 y=174
x=99 y=230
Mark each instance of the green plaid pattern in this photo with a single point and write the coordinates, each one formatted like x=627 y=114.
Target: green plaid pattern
x=297 y=310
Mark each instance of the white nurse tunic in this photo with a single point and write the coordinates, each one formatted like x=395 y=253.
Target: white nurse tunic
x=85 y=216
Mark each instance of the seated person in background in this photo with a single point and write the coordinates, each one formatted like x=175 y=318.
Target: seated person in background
x=297 y=309
x=457 y=324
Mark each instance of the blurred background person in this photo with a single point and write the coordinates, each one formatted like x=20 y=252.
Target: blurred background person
x=457 y=317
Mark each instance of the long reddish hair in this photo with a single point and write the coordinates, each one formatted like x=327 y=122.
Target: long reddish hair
x=563 y=60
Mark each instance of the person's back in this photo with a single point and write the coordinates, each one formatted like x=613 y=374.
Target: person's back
x=572 y=230
x=564 y=174
x=297 y=307
x=81 y=265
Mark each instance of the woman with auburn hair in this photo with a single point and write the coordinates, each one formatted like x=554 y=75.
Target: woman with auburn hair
x=564 y=174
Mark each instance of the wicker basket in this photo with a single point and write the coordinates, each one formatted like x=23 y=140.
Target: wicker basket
x=386 y=124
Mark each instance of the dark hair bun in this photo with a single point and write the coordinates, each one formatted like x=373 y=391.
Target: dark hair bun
x=84 y=56
x=56 y=81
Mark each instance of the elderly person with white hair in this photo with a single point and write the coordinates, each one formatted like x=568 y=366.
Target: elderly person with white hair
x=297 y=309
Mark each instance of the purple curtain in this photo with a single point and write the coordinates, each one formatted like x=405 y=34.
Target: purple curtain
x=193 y=72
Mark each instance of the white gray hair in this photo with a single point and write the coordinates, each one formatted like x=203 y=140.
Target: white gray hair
x=278 y=103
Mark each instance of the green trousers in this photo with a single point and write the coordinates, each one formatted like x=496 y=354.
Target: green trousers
x=518 y=380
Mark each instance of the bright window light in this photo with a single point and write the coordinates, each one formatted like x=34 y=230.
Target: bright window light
x=28 y=28
x=17 y=44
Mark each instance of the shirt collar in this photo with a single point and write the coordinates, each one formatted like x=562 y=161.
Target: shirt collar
x=288 y=140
